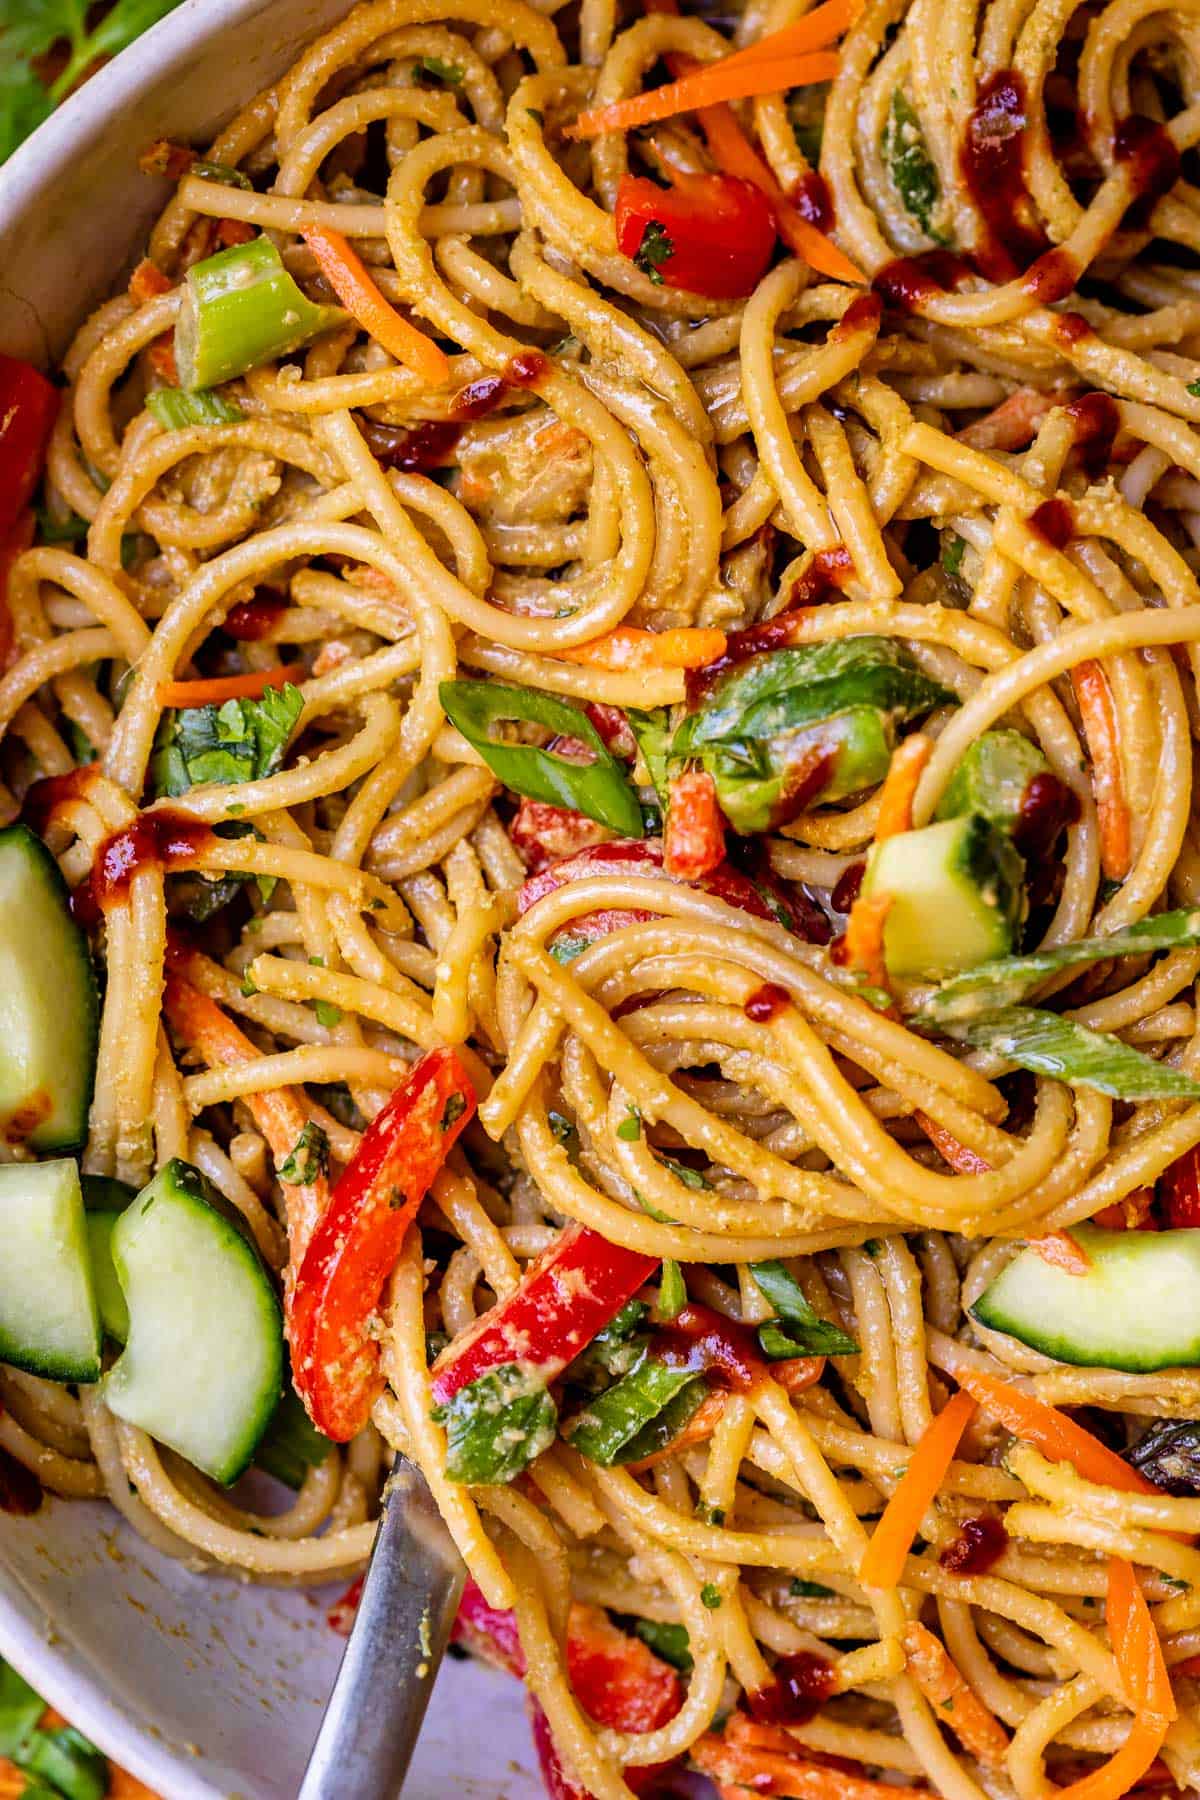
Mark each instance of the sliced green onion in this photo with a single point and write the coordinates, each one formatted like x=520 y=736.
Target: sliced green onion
x=241 y=308
x=672 y=1293
x=175 y=410
x=615 y=1419
x=1050 y=1045
x=1007 y=979
x=598 y=789
x=799 y=1330
x=291 y=1444
x=222 y=172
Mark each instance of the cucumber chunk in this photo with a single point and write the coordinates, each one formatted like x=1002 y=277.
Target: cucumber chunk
x=104 y=1201
x=202 y=1370
x=1137 y=1307
x=956 y=891
x=48 y=1318
x=992 y=778
x=49 y=1010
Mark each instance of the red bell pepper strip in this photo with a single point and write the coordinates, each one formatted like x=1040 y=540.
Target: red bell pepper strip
x=564 y=1299
x=1180 y=1189
x=708 y=234
x=694 y=834
x=28 y=408
x=617 y=1679
x=354 y=1248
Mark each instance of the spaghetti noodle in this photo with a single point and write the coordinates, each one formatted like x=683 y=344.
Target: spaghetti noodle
x=507 y=551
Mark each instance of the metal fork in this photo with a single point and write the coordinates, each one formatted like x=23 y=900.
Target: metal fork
x=410 y=1595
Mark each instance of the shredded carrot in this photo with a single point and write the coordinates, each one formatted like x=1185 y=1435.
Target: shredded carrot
x=694 y=830
x=1116 y=1779
x=219 y=688
x=1135 y=1644
x=280 y=1113
x=1061 y=1251
x=629 y=648
x=1051 y=1432
x=862 y=944
x=344 y=271
x=728 y=79
x=961 y=1157
x=771 y=1763
x=147 y=282
x=1131 y=1213
x=891 y=1540
x=979 y=1732
x=735 y=155
x=900 y=784
x=1099 y=717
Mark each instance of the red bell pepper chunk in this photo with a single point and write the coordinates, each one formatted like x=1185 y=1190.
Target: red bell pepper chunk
x=764 y=898
x=543 y=833
x=1180 y=1189
x=710 y=234
x=28 y=408
x=694 y=834
x=564 y=1299
x=353 y=1250
x=617 y=1679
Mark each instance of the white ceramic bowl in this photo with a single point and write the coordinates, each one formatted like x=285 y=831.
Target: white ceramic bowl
x=206 y=1687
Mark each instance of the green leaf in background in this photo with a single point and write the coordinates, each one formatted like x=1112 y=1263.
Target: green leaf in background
x=58 y=30
x=1007 y=979
x=1049 y=1045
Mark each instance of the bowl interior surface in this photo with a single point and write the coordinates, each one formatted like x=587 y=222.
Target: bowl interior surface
x=205 y=1686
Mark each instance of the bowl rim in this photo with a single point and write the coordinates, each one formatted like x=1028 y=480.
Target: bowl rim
x=27 y=1634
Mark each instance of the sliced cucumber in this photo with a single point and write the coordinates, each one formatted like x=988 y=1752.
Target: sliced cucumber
x=202 y=1370
x=49 y=1010
x=104 y=1201
x=956 y=892
x=48 y=1319
x=993 y=778
x=1136 y=1308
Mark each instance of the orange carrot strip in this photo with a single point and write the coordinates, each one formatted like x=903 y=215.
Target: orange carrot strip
x=220 y=688
x=1131 y=1213
x=628 y=647
x=862 y=945
x=1099 y=717
x=728 y=79
x=900 y=784
x=735 y=155
x=1051 y=1432
x=960 y=1156
x=344 y=271
x=738 y=1766
x=694 y=830
x=891 y=1540
x=1136 y=1645
x=1061 y=1251
x=1115 y=1779
x=978 y=1731
x=813 y=32
x=279 y=1113
x=147 y=282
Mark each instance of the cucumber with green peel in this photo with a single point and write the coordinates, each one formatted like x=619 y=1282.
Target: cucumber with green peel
x=993 y=778
x=957 y=896
x=202 y=1370
x=49 y=1005
x=1137 y=1308
x=49 y=1323
x=104 y=1201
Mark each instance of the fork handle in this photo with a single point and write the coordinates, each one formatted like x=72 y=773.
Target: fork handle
x=409 y=1599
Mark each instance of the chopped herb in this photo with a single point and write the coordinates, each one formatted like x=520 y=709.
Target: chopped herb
x=1193 y=388
x=561 y=1127
x=496 y=1426
x=539 y=118
x=691 y=1178
x=709 y=1515
x=630 y=1128
x=668 y=1641
x=54 y=530
x=710 y=1596
x=952 y=553
x=248 y=987
x=327 y=1013
x=434 y=69
x=654 y=250
x=454 y=1109
x=799 y=1329
x=914 y=174
x=225 y=173
x=672 y=1293
x=309 y=1158
x=809 y=1590
x=243 y=740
